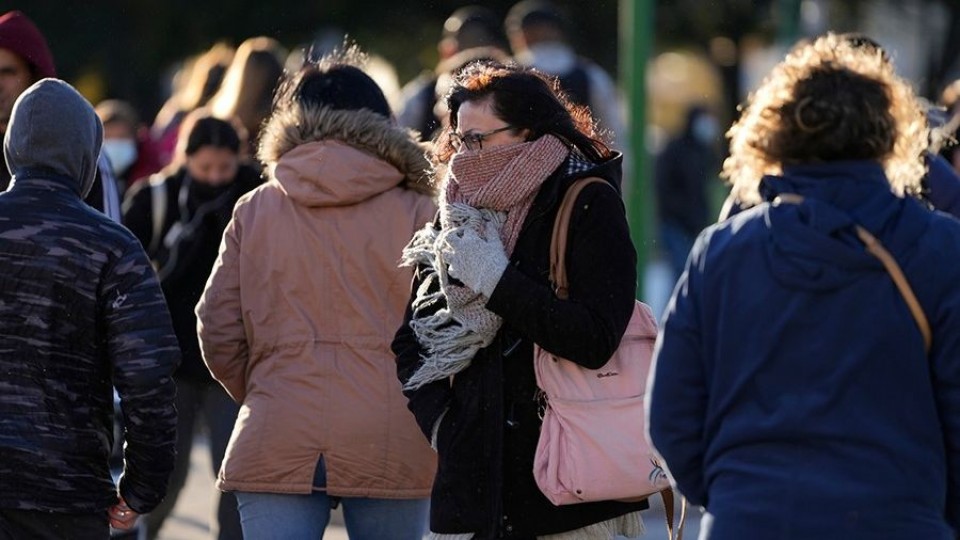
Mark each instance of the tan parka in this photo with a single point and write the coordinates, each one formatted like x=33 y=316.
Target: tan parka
x=297 y=317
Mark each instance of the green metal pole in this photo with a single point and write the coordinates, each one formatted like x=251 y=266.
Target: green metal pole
x=788 y=17
x=636 y=44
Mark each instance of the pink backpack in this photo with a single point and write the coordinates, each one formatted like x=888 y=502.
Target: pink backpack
x=593 y=444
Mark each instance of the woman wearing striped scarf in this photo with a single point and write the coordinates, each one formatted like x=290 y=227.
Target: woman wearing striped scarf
x=481 y=299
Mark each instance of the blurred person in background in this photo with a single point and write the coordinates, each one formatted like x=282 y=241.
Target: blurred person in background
x=943 y=161
x=942 y=182
x=179 y=217
x=326 y=40
x=81 y=314
x=447 y=72
x=950 y=100
x=24 y=60
x=248 y=86
x=538 y=33
x=385 y=75
x=682 y=173
x=469 y=27
x=126 y=142
x=481 y=298
x=297 y=316
x=330 y=39
x=796 y=393
x=201 y=78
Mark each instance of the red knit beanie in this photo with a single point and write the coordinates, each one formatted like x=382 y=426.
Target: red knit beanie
x=19 y=35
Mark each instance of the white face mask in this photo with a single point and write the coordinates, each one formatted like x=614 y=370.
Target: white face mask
x=705 y=129
x=121 y=153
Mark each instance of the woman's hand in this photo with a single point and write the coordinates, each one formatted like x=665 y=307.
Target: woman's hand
x=476 y=260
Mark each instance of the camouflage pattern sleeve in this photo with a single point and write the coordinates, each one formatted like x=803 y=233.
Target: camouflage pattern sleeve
x=223 y=340
x=143 y=351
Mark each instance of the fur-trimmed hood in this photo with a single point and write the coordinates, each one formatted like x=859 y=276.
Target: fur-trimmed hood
x=342 y=156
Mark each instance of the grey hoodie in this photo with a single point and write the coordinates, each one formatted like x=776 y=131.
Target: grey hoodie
x=53 y=129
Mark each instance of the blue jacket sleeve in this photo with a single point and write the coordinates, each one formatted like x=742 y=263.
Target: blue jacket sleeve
x=678 y=396
x=143 y=352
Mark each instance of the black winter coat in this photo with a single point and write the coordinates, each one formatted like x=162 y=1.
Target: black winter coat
x=185 y=265
x=487 y=439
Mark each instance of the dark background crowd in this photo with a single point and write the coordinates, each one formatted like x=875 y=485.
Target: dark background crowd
x=151 y=67
x=128 y=50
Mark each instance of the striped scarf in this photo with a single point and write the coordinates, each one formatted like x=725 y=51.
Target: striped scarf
x=498 y=185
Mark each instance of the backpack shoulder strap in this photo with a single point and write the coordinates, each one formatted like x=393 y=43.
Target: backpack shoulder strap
x=561 y=232
x=158 y=209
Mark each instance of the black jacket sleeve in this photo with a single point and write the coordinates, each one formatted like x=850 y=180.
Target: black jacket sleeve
x=143 y=354
x=601 y=270
x=138 y=213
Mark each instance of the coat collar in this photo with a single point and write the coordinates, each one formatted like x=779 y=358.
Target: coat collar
x=573 y=169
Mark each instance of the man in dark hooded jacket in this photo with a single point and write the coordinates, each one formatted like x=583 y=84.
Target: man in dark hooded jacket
x=81 y=312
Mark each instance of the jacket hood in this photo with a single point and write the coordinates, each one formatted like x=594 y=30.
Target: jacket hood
x=813 y=245
x=53 y=130
x=323 y=156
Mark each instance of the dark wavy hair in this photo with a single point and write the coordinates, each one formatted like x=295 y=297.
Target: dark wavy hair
x=527 y=100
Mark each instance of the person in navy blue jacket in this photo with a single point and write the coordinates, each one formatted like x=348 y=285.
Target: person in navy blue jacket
x=792 y=394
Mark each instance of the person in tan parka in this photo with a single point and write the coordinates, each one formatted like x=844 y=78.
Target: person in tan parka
x=297 y=317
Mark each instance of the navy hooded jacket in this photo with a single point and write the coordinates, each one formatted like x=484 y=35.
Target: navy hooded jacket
x=792 y=396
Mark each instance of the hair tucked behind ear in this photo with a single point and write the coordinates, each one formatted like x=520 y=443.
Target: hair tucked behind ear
x=837 y=98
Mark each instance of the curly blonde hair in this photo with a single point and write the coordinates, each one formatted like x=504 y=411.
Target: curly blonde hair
x=836 y=98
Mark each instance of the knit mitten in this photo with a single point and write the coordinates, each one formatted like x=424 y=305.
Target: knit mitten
x=476 y=260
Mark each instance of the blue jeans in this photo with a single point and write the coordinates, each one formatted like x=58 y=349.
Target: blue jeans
x=274 y=516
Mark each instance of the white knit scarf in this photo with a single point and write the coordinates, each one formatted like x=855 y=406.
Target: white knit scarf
x=496 y=185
